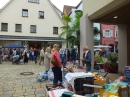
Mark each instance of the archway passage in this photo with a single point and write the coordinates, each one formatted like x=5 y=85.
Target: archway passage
x=34 y=44
x=112 y=47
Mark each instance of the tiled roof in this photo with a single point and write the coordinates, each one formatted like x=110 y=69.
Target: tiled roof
x=57 y=9
x=68 y=9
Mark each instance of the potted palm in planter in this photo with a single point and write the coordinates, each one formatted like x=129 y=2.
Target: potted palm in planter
x=111 y=66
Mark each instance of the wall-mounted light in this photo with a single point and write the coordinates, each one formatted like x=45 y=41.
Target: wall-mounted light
x=115 y=17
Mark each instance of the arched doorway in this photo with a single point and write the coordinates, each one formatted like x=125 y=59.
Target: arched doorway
x=112 y=47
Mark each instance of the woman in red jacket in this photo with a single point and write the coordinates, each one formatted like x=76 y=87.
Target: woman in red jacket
x=57 y=68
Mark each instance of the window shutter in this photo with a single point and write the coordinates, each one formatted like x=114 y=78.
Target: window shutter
x=104 y=33
x=111 y=33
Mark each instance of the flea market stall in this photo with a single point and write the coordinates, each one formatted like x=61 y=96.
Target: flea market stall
x=79 y=83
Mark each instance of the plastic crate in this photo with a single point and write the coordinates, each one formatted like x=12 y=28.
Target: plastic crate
x=127 y=67
x=127 y=73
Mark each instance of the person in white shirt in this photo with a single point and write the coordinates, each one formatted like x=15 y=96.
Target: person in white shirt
x=41 y=55
x=14 y=52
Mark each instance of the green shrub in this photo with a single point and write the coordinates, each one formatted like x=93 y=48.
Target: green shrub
x=112 y=57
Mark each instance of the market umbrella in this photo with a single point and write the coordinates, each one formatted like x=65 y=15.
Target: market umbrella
x=102 y=46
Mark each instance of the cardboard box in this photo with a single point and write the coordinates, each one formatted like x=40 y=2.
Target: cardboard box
x=100 y=83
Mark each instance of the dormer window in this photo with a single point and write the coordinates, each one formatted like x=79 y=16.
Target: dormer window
x=33 y=1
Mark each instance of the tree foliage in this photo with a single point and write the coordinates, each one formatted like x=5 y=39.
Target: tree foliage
x=72 y=33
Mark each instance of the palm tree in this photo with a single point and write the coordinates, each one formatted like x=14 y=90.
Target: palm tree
x=67 y=31
x=73 y=33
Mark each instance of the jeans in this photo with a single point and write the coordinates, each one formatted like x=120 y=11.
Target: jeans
x=57 y=74
x=35 y=59
x=88 y=68
x=41 y=59
x=32 y=57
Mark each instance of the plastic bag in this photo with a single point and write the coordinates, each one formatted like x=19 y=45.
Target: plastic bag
x=42 y=76
x=113 y=87
x=50 y=75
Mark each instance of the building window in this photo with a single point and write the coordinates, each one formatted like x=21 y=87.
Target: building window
x=55 y=30
x=108 y=33
x=18 y=27
x=25 y=13
x=116 y=33
x=4 y=26
x=41 y=14
x=33 y=1
x=33 y=28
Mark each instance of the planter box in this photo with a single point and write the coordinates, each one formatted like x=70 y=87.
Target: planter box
x=110 y=69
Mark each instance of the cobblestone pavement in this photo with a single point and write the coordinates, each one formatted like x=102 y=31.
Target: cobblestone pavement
x=12 y=84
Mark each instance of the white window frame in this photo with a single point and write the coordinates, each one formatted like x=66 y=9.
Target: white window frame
x=55 y=30
x=116 y=33
x=32 y=28
x=25 y=12
x=33 y=1
x=18 y=27
x=107 y=34
x=4 y=26
x=41 y=14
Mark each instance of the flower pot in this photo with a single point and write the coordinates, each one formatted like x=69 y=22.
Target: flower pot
x=110 y=68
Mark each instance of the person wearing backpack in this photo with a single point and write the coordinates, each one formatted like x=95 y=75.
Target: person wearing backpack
x=41 y=55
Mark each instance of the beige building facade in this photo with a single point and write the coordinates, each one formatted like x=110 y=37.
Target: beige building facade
x=109 y=12
x=31 y=21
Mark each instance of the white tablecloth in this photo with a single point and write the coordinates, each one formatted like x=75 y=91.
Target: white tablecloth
x=70 y=77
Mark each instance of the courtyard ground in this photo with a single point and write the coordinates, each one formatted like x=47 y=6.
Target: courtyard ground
x=12 y=84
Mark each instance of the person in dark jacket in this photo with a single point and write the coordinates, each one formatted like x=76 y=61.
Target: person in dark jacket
x=35 y=55
x=25 y=58
x=87 y=58
x=73 y=55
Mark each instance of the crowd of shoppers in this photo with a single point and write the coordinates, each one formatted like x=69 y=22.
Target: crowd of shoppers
x=62 y=55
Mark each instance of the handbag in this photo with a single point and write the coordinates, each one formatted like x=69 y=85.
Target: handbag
x=54 y=61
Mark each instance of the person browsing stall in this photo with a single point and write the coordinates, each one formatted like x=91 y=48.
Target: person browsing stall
x=56 y=68
x=87 y=58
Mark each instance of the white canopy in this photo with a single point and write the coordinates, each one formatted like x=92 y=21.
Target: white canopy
x=102 y=46
x=97 y=49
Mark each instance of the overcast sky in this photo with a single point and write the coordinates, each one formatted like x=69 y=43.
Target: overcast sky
x=58 y=3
